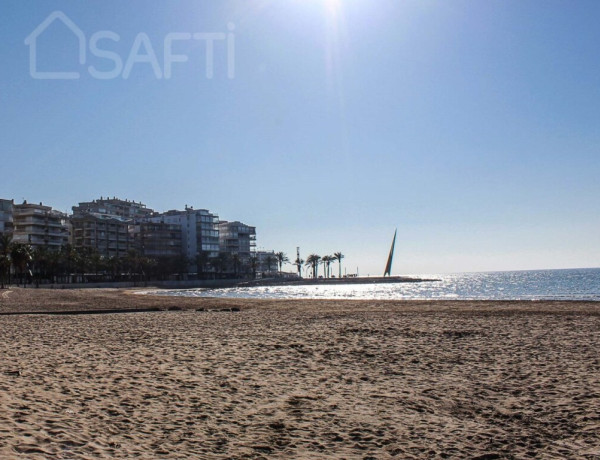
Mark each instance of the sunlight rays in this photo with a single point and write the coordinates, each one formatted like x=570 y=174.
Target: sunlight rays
x=335 y=37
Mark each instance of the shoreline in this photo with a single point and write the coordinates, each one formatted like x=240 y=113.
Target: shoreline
x=227 y=283
x=19 y=301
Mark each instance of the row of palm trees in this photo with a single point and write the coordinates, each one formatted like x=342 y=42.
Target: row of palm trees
x=12 y=255
x=72 y=264
x=314 y=260
x=228 y=264
x=69 y=263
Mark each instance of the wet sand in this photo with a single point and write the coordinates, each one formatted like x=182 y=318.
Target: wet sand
x=296 y=379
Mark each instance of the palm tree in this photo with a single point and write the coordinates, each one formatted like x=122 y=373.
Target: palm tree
x=69 y=259
x=20 y=255
x=181 y=265
x=40 y=258
x=4 y=268
x=96 y=261
x=299 y=263
x=270 y=260
x=147 y=265
x=313 y=261
x=236 y=261
x=326 y=260
x=84 y=260
x=220 y=263
x=253 y=265
x=5 y=240
x=113 y=264
x=202 y=259
x=53 y=264
x=5 y=262
x=282 y=258
x=339 y=256
x=132 y=262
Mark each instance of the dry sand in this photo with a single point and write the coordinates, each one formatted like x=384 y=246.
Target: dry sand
x=297 y=379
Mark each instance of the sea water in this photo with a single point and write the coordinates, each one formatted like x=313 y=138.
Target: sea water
x=571 y=284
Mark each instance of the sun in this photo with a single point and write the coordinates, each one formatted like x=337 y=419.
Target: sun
x=333 y=5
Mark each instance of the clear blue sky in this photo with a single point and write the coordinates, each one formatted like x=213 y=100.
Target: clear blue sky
x=471 y=126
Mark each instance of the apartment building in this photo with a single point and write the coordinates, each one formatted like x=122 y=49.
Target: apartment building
x=237 y=238
x=125 y=209
x=105 y=225
x=6 y=216
x=39 y=225
x=199 y=231
x=157 y=239
x=266 y=261
x=109 y=235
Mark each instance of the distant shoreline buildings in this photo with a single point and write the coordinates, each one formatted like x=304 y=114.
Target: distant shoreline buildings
x=194 y=240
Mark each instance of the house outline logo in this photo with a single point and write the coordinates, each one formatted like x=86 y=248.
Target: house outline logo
x=31 y=41
x=142 y=52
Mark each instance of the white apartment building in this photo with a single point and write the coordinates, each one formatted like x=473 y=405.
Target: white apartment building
x=199 y=231
x=237 y=238
x=263 y=258
x=39 y=226
x=125 y=209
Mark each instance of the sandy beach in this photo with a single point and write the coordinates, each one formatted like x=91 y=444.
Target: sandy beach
x=296 y=379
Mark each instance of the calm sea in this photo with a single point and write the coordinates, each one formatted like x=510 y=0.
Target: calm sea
x=572 y=284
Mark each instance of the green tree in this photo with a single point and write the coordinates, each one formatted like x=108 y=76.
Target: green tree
x=339 y=256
